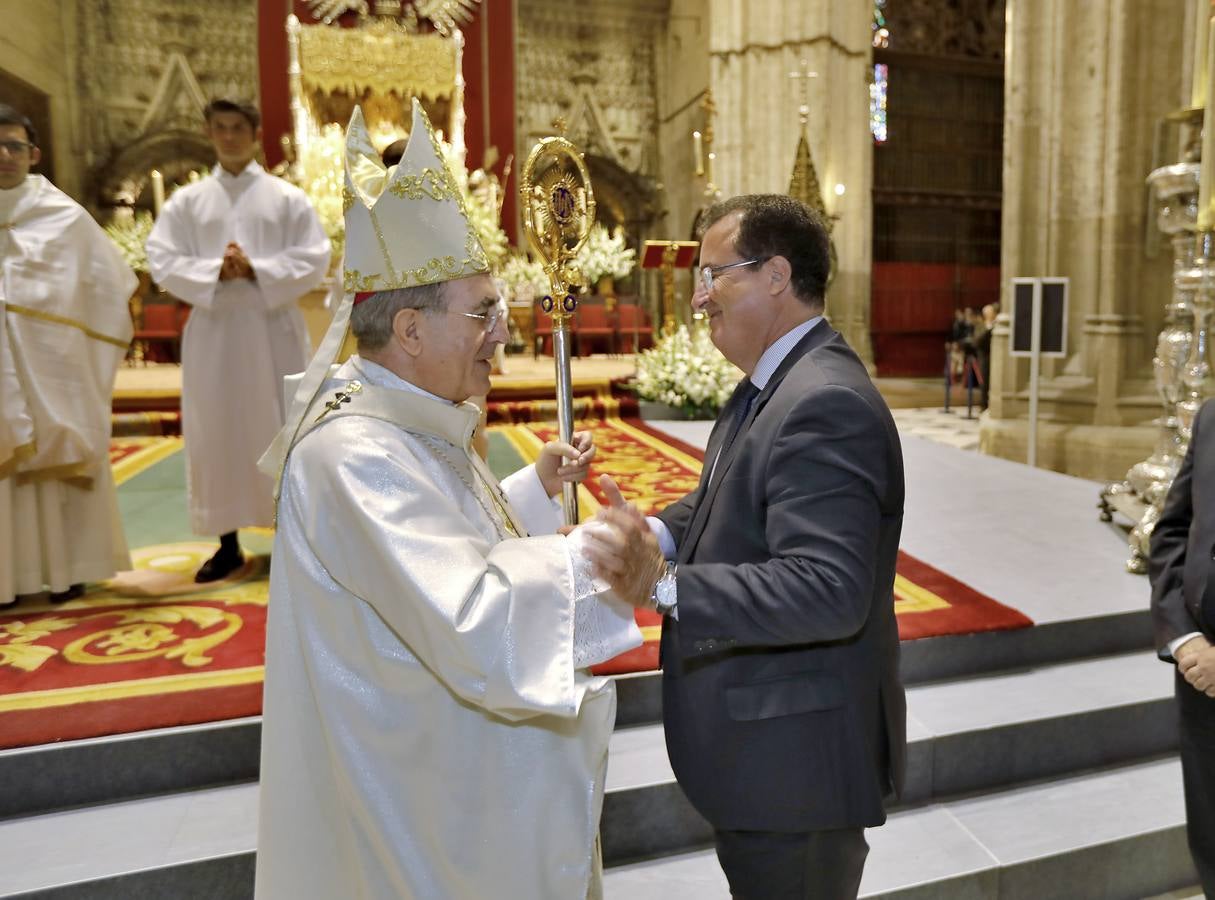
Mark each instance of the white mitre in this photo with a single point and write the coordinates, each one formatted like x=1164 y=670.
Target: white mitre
x=405 y=226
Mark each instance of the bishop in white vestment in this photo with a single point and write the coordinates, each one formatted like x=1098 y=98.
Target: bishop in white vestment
x=244 y=333
x=430 y=729
x=64 y=329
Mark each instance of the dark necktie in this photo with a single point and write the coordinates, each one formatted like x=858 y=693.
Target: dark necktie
x=745 y=396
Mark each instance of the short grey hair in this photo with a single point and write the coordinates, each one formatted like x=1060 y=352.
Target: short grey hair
x=371 y=320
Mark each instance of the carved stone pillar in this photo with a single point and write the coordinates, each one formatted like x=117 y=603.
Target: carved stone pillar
x=1085 y=88
x=753 y=48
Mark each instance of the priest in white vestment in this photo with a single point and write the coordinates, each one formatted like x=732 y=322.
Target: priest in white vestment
x=241 y=247
x=430 y=726
x=64 y=329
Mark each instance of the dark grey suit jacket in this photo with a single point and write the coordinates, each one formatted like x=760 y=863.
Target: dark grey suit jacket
x=781 y=695
x=1182 y=562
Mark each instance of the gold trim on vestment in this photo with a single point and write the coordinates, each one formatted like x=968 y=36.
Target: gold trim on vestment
x=64 y=320
x=76 y=473
x=19 y=455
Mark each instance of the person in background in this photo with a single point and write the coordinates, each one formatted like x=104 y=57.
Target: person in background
x=241 y=247
x=1182 y=572
x=65 y=325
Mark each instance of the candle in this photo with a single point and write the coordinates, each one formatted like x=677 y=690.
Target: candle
x=698 y=153
x=1205 y=219
x=158 y=191
x=1198 y=82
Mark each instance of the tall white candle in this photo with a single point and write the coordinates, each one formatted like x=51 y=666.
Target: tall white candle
x=1198 y=82
x=158 y=191
x=698 y=153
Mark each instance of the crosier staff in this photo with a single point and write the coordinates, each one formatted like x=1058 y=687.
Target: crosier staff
x=558 y=211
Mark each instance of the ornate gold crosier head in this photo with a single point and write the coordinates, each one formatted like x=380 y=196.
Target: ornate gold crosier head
x=558 y=211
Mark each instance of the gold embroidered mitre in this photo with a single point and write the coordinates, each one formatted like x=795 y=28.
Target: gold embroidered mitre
x=405 y=226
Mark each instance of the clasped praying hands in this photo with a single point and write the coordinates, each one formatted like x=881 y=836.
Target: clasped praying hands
x=236 y=264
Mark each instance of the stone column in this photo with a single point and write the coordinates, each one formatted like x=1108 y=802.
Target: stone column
x=754 y=45
x=1086 y=86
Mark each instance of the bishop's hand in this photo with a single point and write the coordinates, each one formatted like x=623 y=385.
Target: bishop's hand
x=560 y=462
x=623 y=549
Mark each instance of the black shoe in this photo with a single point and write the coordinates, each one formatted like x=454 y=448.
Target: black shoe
x=76 y=590
x=221 y=565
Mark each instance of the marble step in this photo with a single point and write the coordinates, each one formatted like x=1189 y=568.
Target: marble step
x=1111 y=833
x=948 y=752
x=966 y=735
x=194 y=844
x=1114 y=834
x=957 y=656
x=125 y=766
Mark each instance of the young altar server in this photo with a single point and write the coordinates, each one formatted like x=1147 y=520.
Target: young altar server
x=241 y=247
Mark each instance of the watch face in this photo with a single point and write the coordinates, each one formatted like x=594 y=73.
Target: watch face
x=664 y=593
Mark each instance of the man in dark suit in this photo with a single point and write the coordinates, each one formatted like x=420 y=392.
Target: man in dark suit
x=784 y=714
x=1182 y=570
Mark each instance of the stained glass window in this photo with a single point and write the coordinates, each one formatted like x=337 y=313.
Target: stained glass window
x=881 y=34
x=877 y=104
x=877 y=90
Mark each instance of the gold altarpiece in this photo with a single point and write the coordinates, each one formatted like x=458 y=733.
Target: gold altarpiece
x=380 y=64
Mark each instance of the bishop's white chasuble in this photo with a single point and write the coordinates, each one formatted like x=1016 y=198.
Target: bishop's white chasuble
x=430 y=731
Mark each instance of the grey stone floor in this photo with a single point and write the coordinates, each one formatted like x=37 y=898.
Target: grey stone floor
x=1028 y=538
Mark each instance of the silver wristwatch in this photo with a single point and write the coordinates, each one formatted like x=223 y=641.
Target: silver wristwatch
x=663 y=597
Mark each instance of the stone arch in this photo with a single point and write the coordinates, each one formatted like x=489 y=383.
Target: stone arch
x=123 y=181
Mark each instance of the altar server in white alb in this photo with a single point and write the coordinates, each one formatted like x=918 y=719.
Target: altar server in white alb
x=241 y=247
x=64 y=329
x=430 y=730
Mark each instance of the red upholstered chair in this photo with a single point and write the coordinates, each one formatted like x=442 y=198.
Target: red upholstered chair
x=632 y=319
x=159 y=322
x=543 y=340
x=593 y=324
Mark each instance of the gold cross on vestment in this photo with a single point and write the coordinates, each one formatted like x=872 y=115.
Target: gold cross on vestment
x=340 y=397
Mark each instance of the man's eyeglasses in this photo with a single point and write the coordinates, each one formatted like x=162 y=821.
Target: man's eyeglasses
x=16 y=148
x=709 y=273
x=491 y=318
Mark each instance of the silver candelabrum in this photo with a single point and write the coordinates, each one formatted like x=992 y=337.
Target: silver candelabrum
x=1179 y=366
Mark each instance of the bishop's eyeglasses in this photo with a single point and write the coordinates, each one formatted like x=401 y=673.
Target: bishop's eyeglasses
x=490 y=318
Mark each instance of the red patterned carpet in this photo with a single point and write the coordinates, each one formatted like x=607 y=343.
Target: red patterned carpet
x=654 y=469
x=150 y=650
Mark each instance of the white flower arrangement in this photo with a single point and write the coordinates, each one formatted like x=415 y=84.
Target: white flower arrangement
x=684 y=370
x=523 y=275
x=318 y=172
x=130 y=235
x=605 y=254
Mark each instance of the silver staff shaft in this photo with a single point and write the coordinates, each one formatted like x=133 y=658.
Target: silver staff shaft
x=565 y=408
